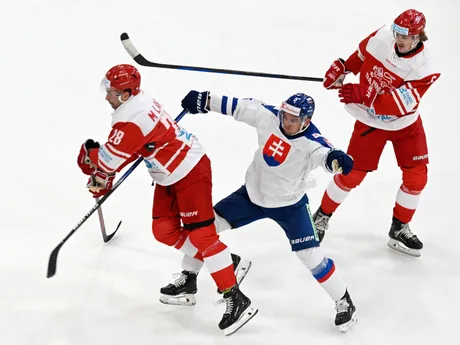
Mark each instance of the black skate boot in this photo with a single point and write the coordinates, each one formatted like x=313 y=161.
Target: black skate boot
x=181 y=291
x=403 y=240
x=346 y=316
x=239 y=311
x=321 y=221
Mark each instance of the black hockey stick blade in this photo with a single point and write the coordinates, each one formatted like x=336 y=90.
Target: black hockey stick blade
x=141 y=60
x=53 y=261
x=107 y=238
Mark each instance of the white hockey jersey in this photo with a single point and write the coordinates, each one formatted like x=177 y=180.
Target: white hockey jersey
x=141 y=127
x=278 y=174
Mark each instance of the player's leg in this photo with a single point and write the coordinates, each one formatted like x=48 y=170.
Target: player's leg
x=167 y=229
x=239 y=210
x=298 y=225
x=194 y=200
x=412 y=155
x=232 y=212
x=366 y=146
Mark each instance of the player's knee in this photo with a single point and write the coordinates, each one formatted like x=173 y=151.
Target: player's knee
x=311 y=257
x=166 y=230
x=415 y=178
x=202 y=236
x=352 y=180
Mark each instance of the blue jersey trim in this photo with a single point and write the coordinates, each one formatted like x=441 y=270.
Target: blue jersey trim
x=234 y=104
x=311 y=133
x=272 y=109
x=223 y=106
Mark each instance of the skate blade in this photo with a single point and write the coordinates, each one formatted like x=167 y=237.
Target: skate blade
x=185 y=300
x=248 y=314
x=346 y=326
x=242 y=270
x=398 y=246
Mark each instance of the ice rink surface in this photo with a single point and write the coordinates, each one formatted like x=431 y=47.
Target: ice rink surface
x=54 y=55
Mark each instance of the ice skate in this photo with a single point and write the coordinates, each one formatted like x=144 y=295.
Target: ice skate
x=184 y=287
x=321 y=221
x=241 y=267
x=238 y=312
x=346 y=313
x=181 y=291
x=403 y=240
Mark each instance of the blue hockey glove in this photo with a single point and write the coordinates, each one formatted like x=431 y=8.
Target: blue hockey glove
x=338 y=162
x=195 y=102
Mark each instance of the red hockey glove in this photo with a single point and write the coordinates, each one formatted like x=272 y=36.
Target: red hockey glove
x=102 y=183
x=335 y=75
x=83 y=160
x=356 y=93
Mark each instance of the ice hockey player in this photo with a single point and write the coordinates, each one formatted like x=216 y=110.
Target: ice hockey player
x=182 y=212
x=395 y=72
x=290 y=146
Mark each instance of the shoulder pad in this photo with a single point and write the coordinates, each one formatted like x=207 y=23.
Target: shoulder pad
x=312 y=133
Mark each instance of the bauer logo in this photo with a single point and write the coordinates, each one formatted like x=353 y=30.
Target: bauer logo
x=303 y=239
x=275 y=151
x=189 y=214
x=420 y=158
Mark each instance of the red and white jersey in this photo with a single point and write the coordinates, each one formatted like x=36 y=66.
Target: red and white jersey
x=141 y=127
x=400 y=81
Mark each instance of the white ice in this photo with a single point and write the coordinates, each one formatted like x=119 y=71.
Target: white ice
x=53 y=56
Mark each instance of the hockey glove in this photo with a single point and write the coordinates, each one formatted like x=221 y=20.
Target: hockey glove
x=338 y=162
x=335 y=75
x=356 y=93
x=195 y=102
x=83 y=160
x=100 y=183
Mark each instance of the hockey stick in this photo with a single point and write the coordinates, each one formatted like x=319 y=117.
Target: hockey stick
x=141 y=60
x=105 y=237
x=54 y=254
x=101 y=218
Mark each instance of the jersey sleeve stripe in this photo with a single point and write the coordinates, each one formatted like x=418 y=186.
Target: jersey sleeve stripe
x=223 y=105
x=415 y=92
x=105 y=167
x=398 y=102
x=116 y=152
x=177 y=158
x=234 y=104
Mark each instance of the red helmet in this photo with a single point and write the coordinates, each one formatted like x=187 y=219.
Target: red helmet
x=409 y=23
x=123 y=77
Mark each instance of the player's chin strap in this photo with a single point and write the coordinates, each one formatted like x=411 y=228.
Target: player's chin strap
x=304 y=128
x=414 y=45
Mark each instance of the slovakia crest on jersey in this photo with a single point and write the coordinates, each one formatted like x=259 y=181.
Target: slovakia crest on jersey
x=275 y=151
